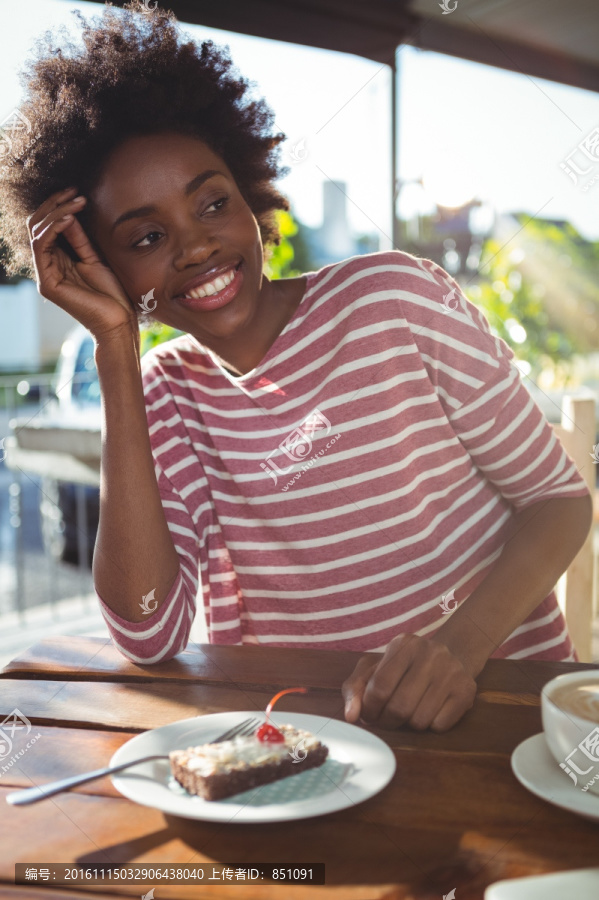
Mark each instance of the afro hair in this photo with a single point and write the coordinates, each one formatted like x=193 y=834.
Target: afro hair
x=133 y=74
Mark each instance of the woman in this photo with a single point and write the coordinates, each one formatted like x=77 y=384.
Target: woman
x=344 y=459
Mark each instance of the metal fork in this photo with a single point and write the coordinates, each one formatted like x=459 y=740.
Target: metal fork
x=33 y=794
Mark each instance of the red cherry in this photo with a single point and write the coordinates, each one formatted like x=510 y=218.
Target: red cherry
x=268 y=734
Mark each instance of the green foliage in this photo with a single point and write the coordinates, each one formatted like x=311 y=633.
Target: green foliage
x=156 y=334
x=516 y=312
x=539 y=293
x=281 y=256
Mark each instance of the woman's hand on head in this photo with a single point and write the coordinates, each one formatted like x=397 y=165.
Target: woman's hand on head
x=88 y=290
x=419 y=682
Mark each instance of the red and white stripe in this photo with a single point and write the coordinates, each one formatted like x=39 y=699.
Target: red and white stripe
x=434 y=444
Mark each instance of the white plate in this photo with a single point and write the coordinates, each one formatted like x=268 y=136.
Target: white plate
x=535 y=768
x=358 y=766
x=581 y=884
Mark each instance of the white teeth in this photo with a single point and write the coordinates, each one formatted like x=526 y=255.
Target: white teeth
x=212 y=287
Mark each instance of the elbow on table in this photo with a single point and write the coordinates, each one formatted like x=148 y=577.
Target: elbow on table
x=159 y=647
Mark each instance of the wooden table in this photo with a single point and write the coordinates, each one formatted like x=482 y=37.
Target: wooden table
x=453 y=816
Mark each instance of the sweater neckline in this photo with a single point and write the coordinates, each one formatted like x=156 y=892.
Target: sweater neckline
x=274 y=347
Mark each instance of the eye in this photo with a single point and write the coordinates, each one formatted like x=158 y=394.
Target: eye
x=222 y=200
x=141 y=243
x=146 y=240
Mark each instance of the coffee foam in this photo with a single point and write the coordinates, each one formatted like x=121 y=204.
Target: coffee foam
x=580 y=699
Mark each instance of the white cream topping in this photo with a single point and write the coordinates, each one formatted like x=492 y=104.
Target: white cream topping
x=241 y=752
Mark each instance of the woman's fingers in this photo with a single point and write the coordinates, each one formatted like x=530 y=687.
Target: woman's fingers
x=63 y=209
x=44 y=250
x=452 y=711
x=80 y=242
x=388 y=674
x=44 y=233
x=418 y=682
x=48 y=206
x=353 y=688
x=80 y=283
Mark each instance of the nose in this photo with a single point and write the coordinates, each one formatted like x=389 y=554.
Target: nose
x=195 y=245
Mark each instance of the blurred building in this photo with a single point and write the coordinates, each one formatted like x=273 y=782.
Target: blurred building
x=33 y=329
x=334 y=241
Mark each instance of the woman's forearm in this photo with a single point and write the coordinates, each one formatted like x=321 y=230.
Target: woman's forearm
x=546 y=538
x=134 y=551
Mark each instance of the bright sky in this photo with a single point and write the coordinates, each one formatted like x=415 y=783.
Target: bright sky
x=469 y=129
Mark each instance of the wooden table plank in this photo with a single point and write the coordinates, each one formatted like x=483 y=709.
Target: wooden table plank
x=33 y=892
x=453 y=815
x=137 y=707
x=357 y=848
x=81 y=830
x=61 y=752
x=97 y=659
x=16 y=892
x=491 y=726
x=479 y=788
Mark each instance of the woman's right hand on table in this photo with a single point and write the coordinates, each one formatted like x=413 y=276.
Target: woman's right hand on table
x=88 y=290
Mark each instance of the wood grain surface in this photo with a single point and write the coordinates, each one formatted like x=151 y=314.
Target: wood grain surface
x=452 y=816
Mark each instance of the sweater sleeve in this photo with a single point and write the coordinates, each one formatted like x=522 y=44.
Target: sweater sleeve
x=165 y=632
x=480 y=388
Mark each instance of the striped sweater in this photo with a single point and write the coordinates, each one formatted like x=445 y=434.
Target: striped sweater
x=356 y=484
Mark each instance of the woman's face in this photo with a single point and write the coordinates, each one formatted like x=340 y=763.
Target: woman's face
x=165 y=212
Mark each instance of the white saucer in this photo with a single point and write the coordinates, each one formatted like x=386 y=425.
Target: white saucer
x=579 y=884
x=535 y=768
x=359 y=765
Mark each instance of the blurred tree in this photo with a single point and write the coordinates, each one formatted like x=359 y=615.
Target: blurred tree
x=279 y=263
x=540 y=295
x=516 y=312
x=154 y=334
x=303 y=260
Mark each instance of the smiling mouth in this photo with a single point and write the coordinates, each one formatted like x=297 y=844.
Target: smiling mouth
x=210 y=288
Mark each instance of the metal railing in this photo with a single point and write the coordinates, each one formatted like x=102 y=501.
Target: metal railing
x=32 y=507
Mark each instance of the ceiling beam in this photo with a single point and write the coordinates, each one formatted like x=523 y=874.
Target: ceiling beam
x=479 y=46
x=375 y=28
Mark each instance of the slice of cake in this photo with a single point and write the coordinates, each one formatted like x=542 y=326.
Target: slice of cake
x=218 y=770
x=215 y=771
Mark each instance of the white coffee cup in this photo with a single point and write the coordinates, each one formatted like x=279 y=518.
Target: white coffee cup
x=570 y=713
